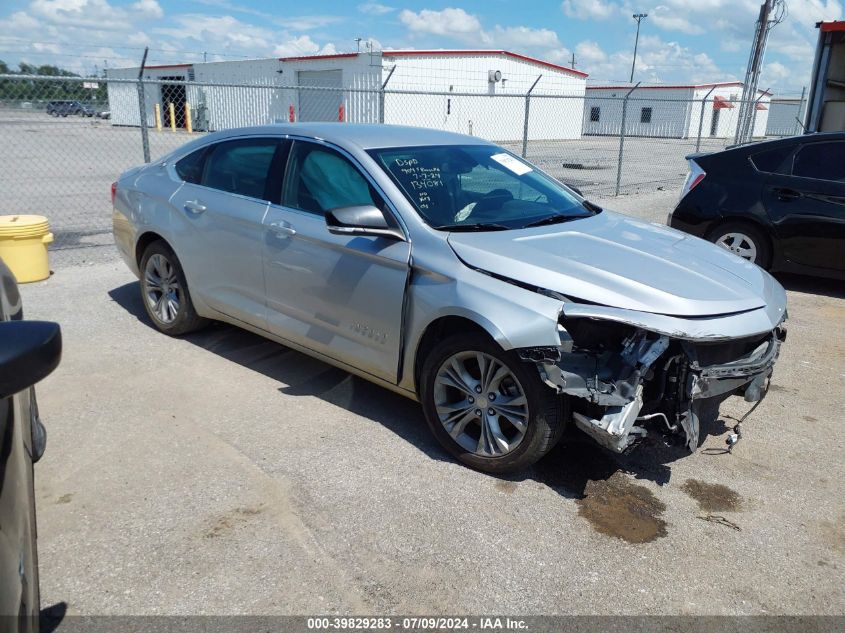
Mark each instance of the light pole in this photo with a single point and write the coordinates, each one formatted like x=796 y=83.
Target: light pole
x=639 y=18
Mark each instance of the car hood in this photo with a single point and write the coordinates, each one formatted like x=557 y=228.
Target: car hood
x=613 y=260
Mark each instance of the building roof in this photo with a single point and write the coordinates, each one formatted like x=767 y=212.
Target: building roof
x=406 y=53
x=826 y=27
x=720 y=84
x=305 y=58
x=491 y=52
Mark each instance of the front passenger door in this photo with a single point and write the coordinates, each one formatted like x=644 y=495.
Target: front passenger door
x=338 y=295
x=807 y=205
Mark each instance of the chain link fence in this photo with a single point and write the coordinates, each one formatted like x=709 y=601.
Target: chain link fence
x=65 y=140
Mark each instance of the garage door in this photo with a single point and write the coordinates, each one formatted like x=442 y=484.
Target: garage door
x=320 y=105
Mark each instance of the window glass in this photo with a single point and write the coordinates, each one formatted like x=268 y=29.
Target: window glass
x=320 y=179
x=240 y=166
x=773 y=161
x=645 y=115
x=825 y=161
x=476 y=185
x=595 y=113
x=189 y=168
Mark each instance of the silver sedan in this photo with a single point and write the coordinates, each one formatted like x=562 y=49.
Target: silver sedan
x=445 y=268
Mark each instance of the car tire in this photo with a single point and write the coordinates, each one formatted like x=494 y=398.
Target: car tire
x=744 y=240
x=452 y=413
x=165 y=294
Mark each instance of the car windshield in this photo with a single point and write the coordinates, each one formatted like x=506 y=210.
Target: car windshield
x=478 y=188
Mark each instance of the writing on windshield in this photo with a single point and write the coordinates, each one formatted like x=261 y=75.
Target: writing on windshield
x=476 y=186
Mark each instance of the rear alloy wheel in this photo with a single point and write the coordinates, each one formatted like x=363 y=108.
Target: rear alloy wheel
x=164 y=292
x=743 y=240
x=487 y=407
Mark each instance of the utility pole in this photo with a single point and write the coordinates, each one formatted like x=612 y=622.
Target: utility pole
x=771 y=13
x=639 y=17
x=572 y=65
x=358 y=44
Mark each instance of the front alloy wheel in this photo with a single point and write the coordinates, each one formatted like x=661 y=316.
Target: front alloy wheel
x=487 y=407
x=481 y=404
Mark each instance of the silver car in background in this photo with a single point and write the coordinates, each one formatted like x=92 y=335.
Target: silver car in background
x=447 y=269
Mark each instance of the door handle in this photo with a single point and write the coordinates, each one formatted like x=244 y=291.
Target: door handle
x=282 y=229
x=195 y=207
x=788 y=194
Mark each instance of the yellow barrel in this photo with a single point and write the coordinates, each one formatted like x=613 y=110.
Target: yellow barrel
x=23 y=246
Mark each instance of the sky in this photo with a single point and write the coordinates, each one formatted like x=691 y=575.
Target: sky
x=681 y=41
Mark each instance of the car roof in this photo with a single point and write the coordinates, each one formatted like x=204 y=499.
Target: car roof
x=811 y=137
x=362 y=135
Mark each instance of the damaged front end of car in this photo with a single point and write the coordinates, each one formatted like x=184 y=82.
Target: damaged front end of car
x=625 y=380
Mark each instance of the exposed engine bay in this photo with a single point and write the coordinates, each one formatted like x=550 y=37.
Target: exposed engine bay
x=624 y=381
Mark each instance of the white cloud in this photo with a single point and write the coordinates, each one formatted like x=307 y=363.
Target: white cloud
x=589 y=9
x=302 y=45
x=446 y=22
x=374 y=8
x=669 y=20
x=149 y=8
x=521 y=38
x=589 y=52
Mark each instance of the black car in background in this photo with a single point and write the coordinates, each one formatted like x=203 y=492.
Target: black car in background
x=64 y=108
x=29 y=351
x=780 y=204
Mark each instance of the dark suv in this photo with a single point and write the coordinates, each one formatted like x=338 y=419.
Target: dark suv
x=779 y=204
x=29 y=351
x=64 y=108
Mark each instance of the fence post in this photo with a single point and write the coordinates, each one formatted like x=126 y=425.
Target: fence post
x=622 y=138
x=701 y=119
x=381 y=96
x=525 y=122
x=799 y=118
x=754 y=115
x=142 y=107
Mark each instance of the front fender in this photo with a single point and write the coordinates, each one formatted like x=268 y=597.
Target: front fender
x=514 y=317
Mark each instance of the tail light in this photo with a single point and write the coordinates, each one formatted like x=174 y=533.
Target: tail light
x=113 y=192
x=694 y=177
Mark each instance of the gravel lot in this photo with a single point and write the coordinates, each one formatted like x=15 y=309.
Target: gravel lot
x=225 y=474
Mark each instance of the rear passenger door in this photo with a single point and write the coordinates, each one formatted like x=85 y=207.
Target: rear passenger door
x=223 y=202
x=807 y=205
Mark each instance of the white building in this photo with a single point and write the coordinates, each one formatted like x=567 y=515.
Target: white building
x=347 y=86
x=671 y=111
x=784 y=117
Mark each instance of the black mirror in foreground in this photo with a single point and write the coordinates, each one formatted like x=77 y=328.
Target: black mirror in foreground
x=361 y=220
x=29 y=352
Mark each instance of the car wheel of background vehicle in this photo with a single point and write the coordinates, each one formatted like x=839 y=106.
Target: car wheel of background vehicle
x=164 y=292
x=744 y=240
x=487 y=407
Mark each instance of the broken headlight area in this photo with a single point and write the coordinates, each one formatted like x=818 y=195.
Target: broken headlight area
x=624 y=382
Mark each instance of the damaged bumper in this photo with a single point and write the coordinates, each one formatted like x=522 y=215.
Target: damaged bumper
x=624 y=380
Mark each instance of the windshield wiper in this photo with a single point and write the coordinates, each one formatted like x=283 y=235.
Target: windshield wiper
x=477 y=226
x=553 y=219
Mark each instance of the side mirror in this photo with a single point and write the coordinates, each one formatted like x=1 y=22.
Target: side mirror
x=29 y=351
x=361 y=220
